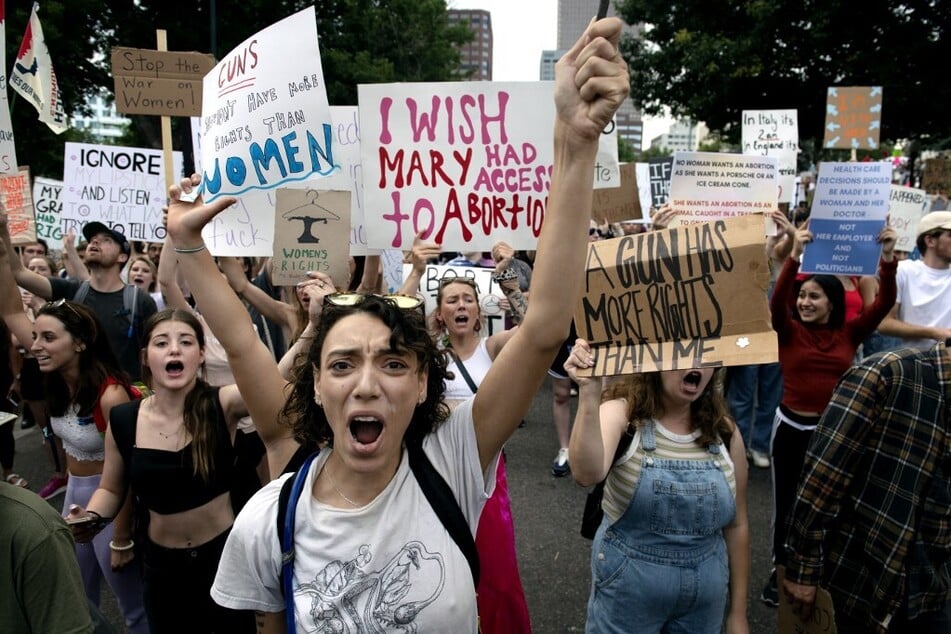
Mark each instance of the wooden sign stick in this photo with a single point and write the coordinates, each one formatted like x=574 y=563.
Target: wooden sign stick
x=162 y=45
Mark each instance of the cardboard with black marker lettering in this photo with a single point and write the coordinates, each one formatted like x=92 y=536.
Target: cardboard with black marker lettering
x=692 y=296
x=822 y=620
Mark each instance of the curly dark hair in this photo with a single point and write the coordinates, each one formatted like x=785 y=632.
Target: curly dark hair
x=709 y=413
x=97 y=361
x=408 y=332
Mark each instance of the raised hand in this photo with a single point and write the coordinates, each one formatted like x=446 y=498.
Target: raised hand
x=186 y=219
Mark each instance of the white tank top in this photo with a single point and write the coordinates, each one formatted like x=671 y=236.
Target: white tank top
x=477 y=365
x=81 y=439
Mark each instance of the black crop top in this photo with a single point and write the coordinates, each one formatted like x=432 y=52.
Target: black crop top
x=165 y=481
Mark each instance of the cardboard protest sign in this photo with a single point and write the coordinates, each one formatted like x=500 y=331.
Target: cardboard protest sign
x=660 y=171
x=465 y=163
x=165 y=83
x=619 y=203
x=853 y=117
x=490 y=295
x=906 y=206
x=822 y=620
x=708 y=185
x=17 y=195
x=693 y=296
x=265 y=116
x=47 y=207
x=937 y=175
x=122 y=187
x=774 y=133
x=848 y=212
x=311 y=230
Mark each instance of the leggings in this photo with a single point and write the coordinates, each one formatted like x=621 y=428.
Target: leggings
x=178 y=591
x=95 y=557
x=789 y=455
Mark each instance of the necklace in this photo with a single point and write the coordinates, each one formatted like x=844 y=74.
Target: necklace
x=333 y=483
x=168 y=435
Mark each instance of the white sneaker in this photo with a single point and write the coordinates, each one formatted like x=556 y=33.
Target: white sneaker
x=760 y=459
x=559 y=468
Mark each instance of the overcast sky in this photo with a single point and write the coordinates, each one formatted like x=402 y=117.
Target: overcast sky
x=521 y=30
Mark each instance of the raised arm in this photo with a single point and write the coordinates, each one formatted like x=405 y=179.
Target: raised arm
x=11 y=306
x=273 y=309
x=254 y=369
x=34 y=282
x=319 y=286
x=421 y=253
x=74 y=265
x=591 y=83
x=168 y=277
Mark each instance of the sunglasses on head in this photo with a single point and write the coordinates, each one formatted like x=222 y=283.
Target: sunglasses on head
x=406 y=302
x=59 y=303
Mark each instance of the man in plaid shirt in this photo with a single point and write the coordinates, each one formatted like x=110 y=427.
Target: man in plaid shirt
x=872 y=518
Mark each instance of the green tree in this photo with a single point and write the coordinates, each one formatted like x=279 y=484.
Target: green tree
x=709 y=60
x=361 y=41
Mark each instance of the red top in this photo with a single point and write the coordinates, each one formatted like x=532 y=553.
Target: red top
x=813 y=357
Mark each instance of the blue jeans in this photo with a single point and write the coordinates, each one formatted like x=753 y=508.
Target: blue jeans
x=753 y=394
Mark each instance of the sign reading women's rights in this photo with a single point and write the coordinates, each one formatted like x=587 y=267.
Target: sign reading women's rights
x=122 y=187
x=310 y=234
x=689 y=297
x=47 y=207
x=708 y=186
x=490 y=295
x=774 y=133
x=848 y=212
x=906 y=206
x=18 y=205
x=465 y=163
x=265 y=116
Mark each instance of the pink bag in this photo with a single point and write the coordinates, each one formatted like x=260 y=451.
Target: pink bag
x=501 y=599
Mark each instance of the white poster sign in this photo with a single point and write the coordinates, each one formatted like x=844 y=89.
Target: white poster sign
x=774 y=133
x=906 y=205
x=265 y=117
x=47 y=207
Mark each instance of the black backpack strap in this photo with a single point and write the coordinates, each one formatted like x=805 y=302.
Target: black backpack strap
x=464 y=372
x=286 y=512
x=444 y=503
x=81 y=292
x=123 y=420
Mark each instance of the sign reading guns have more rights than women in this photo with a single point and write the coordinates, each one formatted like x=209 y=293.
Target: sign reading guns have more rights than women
x=465 y=163
x=265 y=116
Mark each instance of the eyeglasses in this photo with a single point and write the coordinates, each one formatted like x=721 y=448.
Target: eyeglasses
x=59 y=303
x=446 y=281
x=406 y=302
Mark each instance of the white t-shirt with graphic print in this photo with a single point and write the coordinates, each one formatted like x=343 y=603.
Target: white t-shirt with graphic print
x=383 y=567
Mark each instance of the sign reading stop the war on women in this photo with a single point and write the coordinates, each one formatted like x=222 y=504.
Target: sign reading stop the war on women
x=265 y=119
x=710 y=186
x=848 y=212
x=464 y=163
x=122 y=187
x=47 y=206
x=774 y=133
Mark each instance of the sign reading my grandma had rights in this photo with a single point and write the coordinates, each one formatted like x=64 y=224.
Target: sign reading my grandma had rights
x=848 y=211
x=465 y=163
x=265 y=116
x=47 y=205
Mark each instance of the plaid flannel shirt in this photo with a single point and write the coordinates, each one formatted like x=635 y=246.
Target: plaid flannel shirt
x=872 y=518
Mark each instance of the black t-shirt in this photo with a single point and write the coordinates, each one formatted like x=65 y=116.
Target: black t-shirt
x=125 y=337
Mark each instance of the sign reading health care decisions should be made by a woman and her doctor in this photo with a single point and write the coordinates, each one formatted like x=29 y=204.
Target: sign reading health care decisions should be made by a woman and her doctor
x=464 y=163
x=265 y=118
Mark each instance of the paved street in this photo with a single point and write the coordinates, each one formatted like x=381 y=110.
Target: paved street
x=552 y=555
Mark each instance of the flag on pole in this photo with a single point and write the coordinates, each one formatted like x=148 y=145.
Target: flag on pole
x=33 y=77
x=8 y=155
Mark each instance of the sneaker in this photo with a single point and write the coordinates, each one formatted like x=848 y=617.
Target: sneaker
x=760 y=459
x=559 y=468
x=53 y=488
x=770 y=593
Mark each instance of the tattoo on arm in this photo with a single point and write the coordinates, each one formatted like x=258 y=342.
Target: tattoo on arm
x=517 y=305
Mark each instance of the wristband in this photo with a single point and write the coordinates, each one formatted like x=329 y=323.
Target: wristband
x=120 y=549
x=504 y=276
x=197 y=249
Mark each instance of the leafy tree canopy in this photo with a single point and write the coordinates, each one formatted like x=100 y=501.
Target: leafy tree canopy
x=361 y=41
x=711 y=59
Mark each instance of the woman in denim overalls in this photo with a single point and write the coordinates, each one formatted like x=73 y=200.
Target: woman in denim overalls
x=674 y=541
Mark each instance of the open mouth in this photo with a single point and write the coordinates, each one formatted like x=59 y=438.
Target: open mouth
x=174 y=367
x=693 y=378
x=366 y=429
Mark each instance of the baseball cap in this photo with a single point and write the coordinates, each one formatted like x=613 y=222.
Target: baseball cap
x=92 y=229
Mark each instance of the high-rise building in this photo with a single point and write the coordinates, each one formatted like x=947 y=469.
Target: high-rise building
x=682 y=136
x=476 y=56
x=573 y=19
x=103 y=123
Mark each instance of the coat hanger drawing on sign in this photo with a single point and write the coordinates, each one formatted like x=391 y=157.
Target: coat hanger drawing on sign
x=309 y=213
